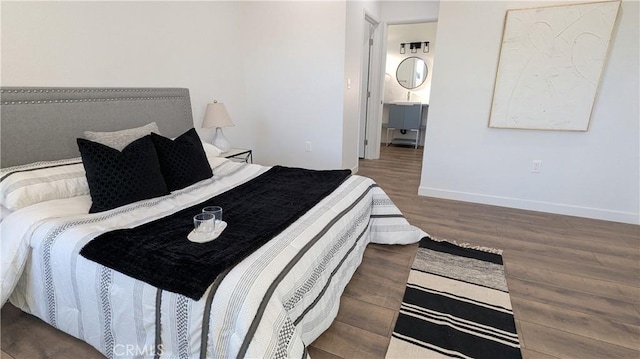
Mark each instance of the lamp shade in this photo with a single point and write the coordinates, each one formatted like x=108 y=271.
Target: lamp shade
x=217 y=116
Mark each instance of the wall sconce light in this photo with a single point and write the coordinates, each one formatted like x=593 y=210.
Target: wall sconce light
x=414 y=46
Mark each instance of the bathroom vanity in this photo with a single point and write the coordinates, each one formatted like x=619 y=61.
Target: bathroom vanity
x=404 y=117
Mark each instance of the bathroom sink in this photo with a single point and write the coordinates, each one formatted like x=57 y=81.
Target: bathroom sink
x=407 y=103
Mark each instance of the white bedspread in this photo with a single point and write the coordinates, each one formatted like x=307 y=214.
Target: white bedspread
x=271 y=304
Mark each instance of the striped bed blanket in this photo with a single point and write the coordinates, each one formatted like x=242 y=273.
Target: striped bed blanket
x=271 y=304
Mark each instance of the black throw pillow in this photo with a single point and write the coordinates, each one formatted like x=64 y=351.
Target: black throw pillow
x=183 y=160
x=117 y=178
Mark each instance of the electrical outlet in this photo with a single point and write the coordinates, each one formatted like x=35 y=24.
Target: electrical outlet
x=307 y=146
x=536 y=166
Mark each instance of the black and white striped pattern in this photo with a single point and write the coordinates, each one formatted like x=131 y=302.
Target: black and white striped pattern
x=25 y=185
x=271 y=304
x=456 y=304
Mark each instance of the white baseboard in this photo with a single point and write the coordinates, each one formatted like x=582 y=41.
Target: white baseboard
x=355 y=169
x=558 y=208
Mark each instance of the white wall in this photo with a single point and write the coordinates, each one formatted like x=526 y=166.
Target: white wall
x=145 y=44
x=294 y=66
x=406 y=12
x=277 y=66
x=591 y=174
x=404 y=33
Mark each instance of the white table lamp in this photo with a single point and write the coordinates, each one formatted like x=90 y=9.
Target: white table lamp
x=218 y=117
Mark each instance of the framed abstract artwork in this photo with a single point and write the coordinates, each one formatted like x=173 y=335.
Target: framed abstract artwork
x=551 y=61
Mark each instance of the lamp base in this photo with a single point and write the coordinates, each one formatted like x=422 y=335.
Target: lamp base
x=220 y=141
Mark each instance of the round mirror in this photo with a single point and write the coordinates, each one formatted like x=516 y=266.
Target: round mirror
x=412 y=72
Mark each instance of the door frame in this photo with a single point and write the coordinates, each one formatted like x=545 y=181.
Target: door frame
x=372 y=107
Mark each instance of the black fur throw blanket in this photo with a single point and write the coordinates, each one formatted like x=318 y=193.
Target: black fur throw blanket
x=160 y=254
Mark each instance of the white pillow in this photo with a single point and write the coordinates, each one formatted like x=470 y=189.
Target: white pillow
x=211 y=150
x=120 y=139
x=22 y=186
x=4 y=212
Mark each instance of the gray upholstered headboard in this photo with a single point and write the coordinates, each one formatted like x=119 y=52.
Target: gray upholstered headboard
x=42 y=123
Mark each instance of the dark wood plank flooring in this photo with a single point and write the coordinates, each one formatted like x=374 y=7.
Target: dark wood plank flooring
x=574 y=282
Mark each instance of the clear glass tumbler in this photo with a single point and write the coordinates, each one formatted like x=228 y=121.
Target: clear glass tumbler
x=204 y=224
x=216 y=211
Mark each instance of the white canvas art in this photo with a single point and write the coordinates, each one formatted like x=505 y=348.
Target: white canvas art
x=550 y=65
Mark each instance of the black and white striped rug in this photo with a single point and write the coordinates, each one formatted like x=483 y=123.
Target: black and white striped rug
x=456 y=305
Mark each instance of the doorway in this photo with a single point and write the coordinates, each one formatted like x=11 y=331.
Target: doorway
x=408 y=70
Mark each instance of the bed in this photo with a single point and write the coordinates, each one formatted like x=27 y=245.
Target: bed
x=272 y=303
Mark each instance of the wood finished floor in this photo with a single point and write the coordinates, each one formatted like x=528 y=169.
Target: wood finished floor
x=574 y=282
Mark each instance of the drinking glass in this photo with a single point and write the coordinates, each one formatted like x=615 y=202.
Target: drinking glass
x=204 y=223
x=216 y=211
